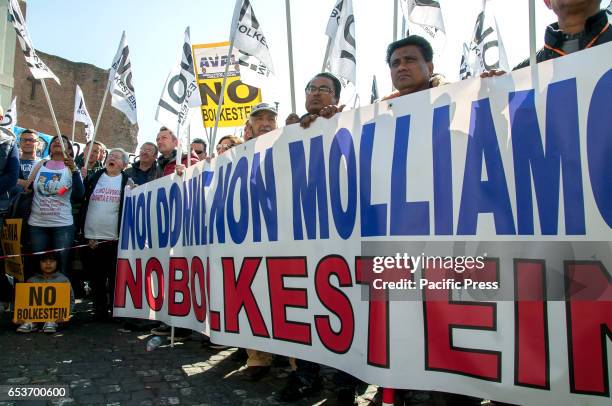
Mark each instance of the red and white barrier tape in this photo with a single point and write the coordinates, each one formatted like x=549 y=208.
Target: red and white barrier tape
x=31 y=254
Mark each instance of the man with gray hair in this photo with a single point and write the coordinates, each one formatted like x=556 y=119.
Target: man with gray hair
x=99 y=222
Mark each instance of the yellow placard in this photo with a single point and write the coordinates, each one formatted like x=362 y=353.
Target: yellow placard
x=210 y=61
x=11 y=245
x=42 y=302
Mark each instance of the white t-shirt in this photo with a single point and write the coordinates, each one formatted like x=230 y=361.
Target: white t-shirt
x=102 y=221
x=51 y=205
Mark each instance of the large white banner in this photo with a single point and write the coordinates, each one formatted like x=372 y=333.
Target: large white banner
x=456 y=239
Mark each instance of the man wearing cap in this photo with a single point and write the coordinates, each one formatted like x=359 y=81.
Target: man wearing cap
x=262 y=120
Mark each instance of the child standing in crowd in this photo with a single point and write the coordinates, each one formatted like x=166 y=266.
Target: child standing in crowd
x=48 y=274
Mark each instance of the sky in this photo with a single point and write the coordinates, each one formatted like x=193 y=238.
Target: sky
x=89 y=31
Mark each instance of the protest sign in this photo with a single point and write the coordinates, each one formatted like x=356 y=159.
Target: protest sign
x=239 y=99
x=42 y=302
x=11 y=245
x=456 y=239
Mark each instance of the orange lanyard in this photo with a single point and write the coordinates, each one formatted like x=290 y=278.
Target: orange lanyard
x=590 y=44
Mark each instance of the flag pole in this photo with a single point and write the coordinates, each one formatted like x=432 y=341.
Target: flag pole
x=189 y=144
x=44 y=86
x=532 y=35
x=395 y=6
x=208 y=139
x=326 y=54
x=179 y=151
x=221 y=96
x=73 y=120
x=394 y=25
x=73 y=123
x=290 y=51
x=95 y=133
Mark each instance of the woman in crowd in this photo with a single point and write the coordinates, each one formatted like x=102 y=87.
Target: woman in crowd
x=99 y=221
x=55 y=181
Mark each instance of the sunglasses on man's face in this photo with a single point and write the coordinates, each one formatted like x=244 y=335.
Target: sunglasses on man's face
x=198 y=152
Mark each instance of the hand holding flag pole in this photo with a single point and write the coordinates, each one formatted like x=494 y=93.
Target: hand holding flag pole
x=95 y=132
x=37 y=67
x=120 y=86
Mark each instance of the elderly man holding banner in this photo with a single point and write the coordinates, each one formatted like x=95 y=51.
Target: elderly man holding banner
x=262 y=120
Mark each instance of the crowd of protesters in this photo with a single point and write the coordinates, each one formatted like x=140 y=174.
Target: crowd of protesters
x=73 y=202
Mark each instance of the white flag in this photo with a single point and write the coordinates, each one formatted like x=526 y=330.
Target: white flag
x=609 y=11
x=120 y=82
x=81 y=115
x=465 y=70
x=425 y=13
x=37 y=66
x=180 y=93
x=341 y=31
x=9 y=120
x=486 y=49
x=248 y=36
x=254 y=72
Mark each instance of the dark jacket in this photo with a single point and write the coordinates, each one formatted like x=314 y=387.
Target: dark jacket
x=597 y=31
x=90 y=186
x=168 y=165
x=80 y=162
x=9 y=163
x=151 y=174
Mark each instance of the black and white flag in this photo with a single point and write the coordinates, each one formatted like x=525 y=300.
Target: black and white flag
x=250 y=40
x=342 y=51
x=81 y=115
x=180 y=92
x=374 y=95
x=9 y=120
x=465 y=70
x=428 y=15
x=37 y=67
x=120 y=82
x=486 y=49
x=609 y=11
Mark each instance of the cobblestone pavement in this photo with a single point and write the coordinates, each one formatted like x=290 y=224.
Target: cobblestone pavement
x=106 y=365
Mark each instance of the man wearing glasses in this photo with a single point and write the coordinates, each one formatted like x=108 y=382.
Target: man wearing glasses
x=198 y=147
x=322 y=98
x=28 y=144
